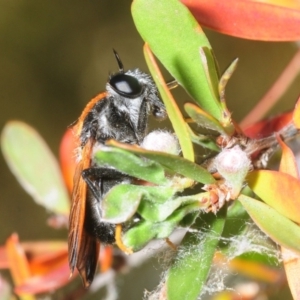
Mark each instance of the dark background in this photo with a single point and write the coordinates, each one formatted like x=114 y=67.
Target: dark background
x=56 y=55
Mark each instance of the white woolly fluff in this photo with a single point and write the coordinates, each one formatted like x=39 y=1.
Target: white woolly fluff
x=163 y=141
x=232 y=160
x=250 y=239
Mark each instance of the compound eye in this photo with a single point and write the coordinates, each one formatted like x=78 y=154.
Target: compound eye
x=126 y=85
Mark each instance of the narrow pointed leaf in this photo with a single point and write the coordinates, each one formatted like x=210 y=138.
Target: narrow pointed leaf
x=226 y=120
x=194 y=259
x=225 y=78
x=255 y=270
x=203 y=140
x=34 y=166
x=274 y=224
x=210 y=69
x=131 y=164
x=175 y=38
x=174 y=113
x=18 y=264
x=279 y=190
x=172 y=162
x=202 y=118
x=236 y=221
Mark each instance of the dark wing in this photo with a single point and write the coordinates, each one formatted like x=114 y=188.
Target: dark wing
x=83 y=248
x=88 y=258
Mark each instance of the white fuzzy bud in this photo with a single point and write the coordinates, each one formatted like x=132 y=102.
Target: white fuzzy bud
x=233 y=165
x=162 y=141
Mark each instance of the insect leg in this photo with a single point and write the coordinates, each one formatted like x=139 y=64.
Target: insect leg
x=98 y=178
x=100 y=181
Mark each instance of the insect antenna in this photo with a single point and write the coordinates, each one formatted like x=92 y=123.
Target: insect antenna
x=120 y=64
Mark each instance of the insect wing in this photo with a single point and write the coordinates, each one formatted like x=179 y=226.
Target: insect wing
x=88 y=258
x=83 y=248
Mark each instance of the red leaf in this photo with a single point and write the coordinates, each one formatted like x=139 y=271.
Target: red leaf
x=49 y=282
x=267 y=127
x=42 y=257
x=3 y=259
x=256 y=20
x=36 y=267
x=67 y=157
x=18 y=263
x=48 y=262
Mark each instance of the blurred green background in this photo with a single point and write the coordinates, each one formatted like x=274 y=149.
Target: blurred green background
x=56 y=55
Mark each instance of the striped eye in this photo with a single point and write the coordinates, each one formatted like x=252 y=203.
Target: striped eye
x=126 y=85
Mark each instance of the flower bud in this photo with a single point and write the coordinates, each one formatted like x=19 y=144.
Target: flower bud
x=162 y=141
x=233 y=165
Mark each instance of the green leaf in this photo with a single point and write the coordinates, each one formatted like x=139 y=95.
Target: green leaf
x=153 y=204
x=181 y=166
x=278 y=227
x=189 y=219
x=236 y=221
x=202 y=118
x=138 y=236
x=121 y=203
x=34 y=166
x=210 y=68
x=175 y=38
x=158 y=203
x=171 y=162
x=203 y=140
x=131 y=164
x=174 y=113
x=145 y=231
x=225 y=78
x=190 y=269
x=226 y=120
